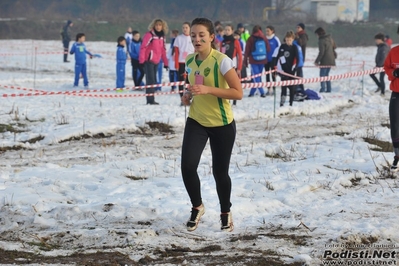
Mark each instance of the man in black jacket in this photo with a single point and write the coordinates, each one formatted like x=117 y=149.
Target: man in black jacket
x=301 y=38
x=66 y=38
x=382 y=52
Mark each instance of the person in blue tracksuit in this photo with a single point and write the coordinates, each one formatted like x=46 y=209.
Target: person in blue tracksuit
x=79 y=49
x=274 y=43
x=159 y=75
x=134 y=51
x=121 y=57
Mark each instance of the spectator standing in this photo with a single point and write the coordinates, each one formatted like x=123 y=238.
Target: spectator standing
x=244 y=32
x=325 y=58
x=219 y=36
x=382 y=52
x=219 y=33
x=173 y=75
x=388 y=41
x=256 y=50
x=274 y=43
x=134 y=52
x=79 y=49
x=152 y=51
x=237 y=35
x=66 y=38
x=301 y=38
x=232 y=48
x=391 y=68
x=121 y=57
x=287 y=56
x=128 y=37
x=183 y=46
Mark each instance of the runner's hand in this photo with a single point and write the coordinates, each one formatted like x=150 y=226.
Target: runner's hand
x=198 y=89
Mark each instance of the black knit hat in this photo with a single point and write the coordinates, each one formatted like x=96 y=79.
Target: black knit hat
x=301 y=25
x=120 y=39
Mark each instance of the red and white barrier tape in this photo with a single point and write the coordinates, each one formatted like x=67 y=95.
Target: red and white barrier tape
x=167 y=84
x=312 y=80
x=13 y=54
x=20 y=88
x=258 y=75
x=319 y=66
x=244 y=86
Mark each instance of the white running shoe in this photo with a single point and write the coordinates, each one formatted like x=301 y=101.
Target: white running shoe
x=196 y=214
x=394 y=166
x=227 y=222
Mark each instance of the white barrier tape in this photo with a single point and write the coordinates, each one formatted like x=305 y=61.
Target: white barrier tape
x=244 y=86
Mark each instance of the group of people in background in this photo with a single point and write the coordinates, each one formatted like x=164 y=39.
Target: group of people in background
x=257 y=50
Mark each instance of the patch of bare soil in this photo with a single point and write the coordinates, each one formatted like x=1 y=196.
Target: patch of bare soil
x=211 y=255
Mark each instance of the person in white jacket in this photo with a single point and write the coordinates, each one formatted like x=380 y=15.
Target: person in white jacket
x=183 y=46
x=173 y=75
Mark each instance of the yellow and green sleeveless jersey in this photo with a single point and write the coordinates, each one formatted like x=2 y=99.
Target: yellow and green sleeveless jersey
x=209 y=110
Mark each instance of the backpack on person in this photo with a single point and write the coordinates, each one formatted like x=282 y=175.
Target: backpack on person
x=260 y=52
x=300 y=54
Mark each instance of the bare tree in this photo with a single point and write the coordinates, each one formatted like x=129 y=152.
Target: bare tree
x=283 y=6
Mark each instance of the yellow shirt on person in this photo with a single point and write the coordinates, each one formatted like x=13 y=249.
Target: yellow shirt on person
x=209 y=110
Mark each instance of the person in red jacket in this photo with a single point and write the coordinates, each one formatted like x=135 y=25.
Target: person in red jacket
x=151 y=51
x=388 y=41
x=256 y=54
x=231 y=47
x=391 y=67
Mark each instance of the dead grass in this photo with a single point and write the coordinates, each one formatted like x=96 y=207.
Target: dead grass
x=379 y=145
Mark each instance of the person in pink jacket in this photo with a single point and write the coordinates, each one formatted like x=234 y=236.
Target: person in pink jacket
x=151 y=52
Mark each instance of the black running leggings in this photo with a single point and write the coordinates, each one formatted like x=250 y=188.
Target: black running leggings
x=394 y=119
x=221 y=141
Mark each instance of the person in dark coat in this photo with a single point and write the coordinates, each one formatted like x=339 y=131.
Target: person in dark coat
x=326 y=57
x=288 y=58
x=66 y=38
x=301 y=37
x=382 y=52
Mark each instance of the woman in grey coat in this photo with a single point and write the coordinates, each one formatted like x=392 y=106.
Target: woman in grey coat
x=326 y=57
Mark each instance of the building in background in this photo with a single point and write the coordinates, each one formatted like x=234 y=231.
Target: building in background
x=341 y=10
x=323 y=10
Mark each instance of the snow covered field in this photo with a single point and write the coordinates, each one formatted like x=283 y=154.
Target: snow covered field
x=303 y=182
